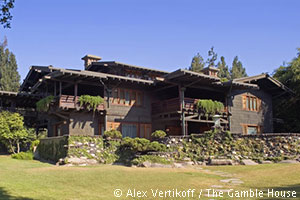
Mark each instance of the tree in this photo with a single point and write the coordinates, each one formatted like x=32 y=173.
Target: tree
x=9 y=76
x=12 y=130
x=5 y=15
x=212 y=57
x=197 y=63
x=237 y=70
x=288 y=109
x=223 y=69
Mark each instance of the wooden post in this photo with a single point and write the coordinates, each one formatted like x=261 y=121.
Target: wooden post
x=105 y=121
x=181 y=97
x=60 y=88
x=54 y=88
x=75 y=89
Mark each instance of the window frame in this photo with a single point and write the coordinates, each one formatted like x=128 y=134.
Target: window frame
x=245 y=127
x=251 y=103
x=122 y=100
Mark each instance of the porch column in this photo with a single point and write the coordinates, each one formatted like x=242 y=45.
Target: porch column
x=105 y=121
x=54 y=88
x=60 y=88
x=75 y=89
x=181 y=97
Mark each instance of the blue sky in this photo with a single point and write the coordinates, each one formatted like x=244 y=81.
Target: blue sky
x=160 y=34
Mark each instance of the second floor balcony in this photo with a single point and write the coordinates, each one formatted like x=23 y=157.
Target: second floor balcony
x=72 y=102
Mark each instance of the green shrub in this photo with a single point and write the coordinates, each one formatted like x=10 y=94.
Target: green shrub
x=158 y=134
x=44 y=104
x=23 y=156
x=156 y=146
x=135 y=144
x=150 y=158
x=90 y=101
x=114 y=134
x=142 y=145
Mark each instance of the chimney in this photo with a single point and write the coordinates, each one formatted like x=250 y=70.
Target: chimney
x=88 y=59
x=211 y=71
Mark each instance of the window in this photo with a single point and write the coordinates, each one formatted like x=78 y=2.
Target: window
x=113 y=126
x=133 y=98
x=115 y=96
x=122 y=97
x=127 y=97
x=251 y=129
x=251 y=103
x=129 y=130
x=145 y=131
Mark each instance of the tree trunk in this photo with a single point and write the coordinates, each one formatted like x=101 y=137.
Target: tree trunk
x=18 y=146
x=11 y=147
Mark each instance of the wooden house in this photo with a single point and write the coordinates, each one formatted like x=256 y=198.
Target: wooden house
x=139 y=100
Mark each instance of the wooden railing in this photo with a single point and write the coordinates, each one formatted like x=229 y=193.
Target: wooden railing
x=71 y=102
x=171 y=105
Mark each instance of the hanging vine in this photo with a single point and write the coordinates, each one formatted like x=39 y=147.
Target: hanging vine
x=44 y=104
x=90 y=101
x=210 y=107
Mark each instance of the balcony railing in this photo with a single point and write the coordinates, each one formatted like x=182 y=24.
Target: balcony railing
x=173 y=105
x=71 y=102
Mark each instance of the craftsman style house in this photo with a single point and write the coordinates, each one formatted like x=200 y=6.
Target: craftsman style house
x=139 y=100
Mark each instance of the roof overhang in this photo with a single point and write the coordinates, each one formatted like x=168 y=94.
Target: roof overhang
x=95 y=65
x=266 y=82
x=85 y=77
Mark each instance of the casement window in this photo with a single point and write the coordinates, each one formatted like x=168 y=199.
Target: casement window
x=145 y=131
x=131 y=129
x=251 y=129
x=251 y=103
x=114 y=126
x=127 y=97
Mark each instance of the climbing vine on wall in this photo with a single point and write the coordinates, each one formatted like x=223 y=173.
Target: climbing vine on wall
x=210 y=107
x=90 y=101
x=44 y=104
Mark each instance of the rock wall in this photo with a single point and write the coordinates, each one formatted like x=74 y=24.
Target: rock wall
x=210 y=148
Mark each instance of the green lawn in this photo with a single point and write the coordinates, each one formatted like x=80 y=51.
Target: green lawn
x=28 y=180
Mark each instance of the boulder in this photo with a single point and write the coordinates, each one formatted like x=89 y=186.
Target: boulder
x=146 y=164
x=248 y=162
x=289 y=161
x=158 y=165
x=221 y=162
x=178 y=165
x=266 y=162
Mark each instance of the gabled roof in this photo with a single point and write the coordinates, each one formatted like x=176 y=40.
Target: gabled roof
x=94 y=66
x=265 y=81
x=34 y=74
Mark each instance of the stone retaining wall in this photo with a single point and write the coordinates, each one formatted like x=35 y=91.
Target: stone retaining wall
x=197 y=149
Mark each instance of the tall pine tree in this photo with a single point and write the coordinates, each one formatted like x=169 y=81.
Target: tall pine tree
x=223 y=69
x=9 y=76
x=237 y=70
x=197 y=63
x=212 y=57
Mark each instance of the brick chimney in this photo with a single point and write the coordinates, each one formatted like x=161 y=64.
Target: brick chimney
x=211 y=71
x=88 y=59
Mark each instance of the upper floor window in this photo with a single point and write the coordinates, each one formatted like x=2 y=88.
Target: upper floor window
x=251 y=103
x=127 y=97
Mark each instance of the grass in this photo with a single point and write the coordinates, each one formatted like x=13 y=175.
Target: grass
x=31 y=180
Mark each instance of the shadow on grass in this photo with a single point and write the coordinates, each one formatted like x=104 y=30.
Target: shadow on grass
x=5 y=195
x=277 y=191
